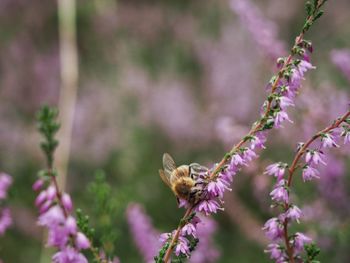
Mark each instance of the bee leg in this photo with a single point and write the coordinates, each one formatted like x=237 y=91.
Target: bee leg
x=177 y=201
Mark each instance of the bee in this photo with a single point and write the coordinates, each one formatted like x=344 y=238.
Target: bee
x=186 y=181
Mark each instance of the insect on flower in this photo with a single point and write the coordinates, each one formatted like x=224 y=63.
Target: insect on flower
x=186 y=181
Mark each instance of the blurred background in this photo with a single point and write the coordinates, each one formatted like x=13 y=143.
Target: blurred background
x=186 y=77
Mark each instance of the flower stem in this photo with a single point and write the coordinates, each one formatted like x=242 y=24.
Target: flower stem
x=294 y=167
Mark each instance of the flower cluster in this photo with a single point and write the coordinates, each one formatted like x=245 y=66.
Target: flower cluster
x=148 y=242
x=55 y=214
x=196 y=233
x=283 y=89
x=143 y=232
x=276 y=228
x=5 y=215
x=341 y=58
x=252 y=18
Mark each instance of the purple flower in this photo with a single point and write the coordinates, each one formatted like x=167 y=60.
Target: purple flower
x=293 y=213
x=248 y=154
x=218 y=187
x=276 y=169
x=38 y=185
x=54 y=216
x=310 y=173
x=236 y=159
x=285 y=102
x=5 y=182
x=189 y=229
x=143 y=232
x=280 y=117
x=208 y=206
x=273 y=229
x=5 y=220
x=71 y=225
x=205 y=251
x=280 y=193
x=81 y=241
x=300 y=240
x=304 y=66
x=69 y=255
x=328 y=141
x=276 y=252
x=182 y=246
x=258 y=141
x=346 y=135
x=67 y=202
x=252 y=18
x=58 y=236
x=314 y=156
x=51 y=193
x=341 y=58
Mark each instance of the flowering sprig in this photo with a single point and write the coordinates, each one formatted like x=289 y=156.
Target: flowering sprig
x=276 y=228
x=55 y=207
x=283 y=87
x=5 y=215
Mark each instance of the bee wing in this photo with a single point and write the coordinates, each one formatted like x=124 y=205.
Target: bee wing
x=168 y=165
x=165 y=179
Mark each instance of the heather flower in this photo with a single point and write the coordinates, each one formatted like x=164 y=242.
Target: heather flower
x=275 y=251
x=205 y=251
x=143 y=232
x=293 y=213
x=189 y=229
x=249 y=154
x=38 y=185
x=300 y=240
x=54 y=216
x=236 y=159
x=341 y=58
x=218 y=187
x=328 y=141
x=346 y=135
x=67 y=202
x=310 y=173
x=304 y=66
x=284 y=102
x=69 y=255
x=208 y=206
x=58 y=236
x=281 y=117
x=182 y=246
x=5 y=220
x=314 y=156
x=258 y=141
x=280 y=193
x=5 y=182
x=252 y=18
x=273 y=229
x=276 y=169
x=81 y=241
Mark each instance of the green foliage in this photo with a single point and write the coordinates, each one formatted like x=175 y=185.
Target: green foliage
x=83 y=224
x=48 y=127
x=312 y=252
x=105 y=208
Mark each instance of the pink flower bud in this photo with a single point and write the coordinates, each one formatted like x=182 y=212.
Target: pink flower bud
x=45 y=206
x=37 y=185
x=40 y=198
x=82 y=242
x=67 y=202
x=51 y=192
x=71 y=225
